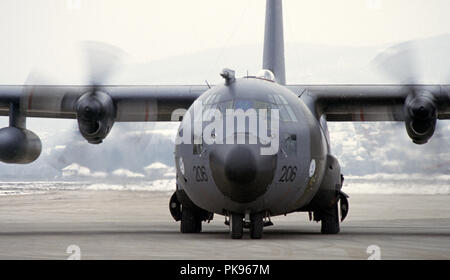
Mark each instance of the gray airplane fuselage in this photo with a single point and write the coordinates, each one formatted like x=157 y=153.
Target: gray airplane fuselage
x=237 y=178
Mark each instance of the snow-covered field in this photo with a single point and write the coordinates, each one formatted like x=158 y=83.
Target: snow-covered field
x=369 y=184
x=382 y=183
x=19 y=188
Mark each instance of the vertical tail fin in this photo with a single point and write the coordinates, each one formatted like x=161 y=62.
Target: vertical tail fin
x=273 y=58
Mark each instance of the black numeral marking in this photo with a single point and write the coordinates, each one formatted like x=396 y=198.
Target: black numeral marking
x=288 y=174
x=200 y=173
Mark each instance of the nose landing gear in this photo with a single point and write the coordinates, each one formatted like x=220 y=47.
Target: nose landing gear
x=255 y=225
x=236 y=225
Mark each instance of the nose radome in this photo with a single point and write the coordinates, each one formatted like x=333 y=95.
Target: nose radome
x=241 y=172
x=240 y=166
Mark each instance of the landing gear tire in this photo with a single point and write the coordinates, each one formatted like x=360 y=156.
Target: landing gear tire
x=236 y=226
x=256 y=225
x=190 y=221
x=330 y=220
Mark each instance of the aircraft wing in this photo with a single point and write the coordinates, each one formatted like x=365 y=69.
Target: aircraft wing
x=157 y=103
x=371 y=102
x=133 y=103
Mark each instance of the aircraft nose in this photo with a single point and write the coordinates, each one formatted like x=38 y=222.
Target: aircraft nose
x=240 y=166
x=240 y=172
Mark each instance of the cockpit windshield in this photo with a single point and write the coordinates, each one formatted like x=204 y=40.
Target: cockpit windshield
x=273 y=101
x=285 y=111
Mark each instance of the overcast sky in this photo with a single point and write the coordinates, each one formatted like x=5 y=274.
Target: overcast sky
x=37 y=32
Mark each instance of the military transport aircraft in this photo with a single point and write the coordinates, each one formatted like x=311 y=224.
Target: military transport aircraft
x=250 y=171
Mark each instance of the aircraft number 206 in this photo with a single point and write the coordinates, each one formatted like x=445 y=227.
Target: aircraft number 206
x=288 y=174
x=200 y=173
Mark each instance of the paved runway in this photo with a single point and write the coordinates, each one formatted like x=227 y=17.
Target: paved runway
x=137 y=225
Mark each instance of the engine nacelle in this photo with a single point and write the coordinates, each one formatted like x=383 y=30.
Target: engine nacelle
x=19 y=145
x=95 y=114
x=420 y=117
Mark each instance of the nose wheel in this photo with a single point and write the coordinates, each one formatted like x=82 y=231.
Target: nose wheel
x=236 y=225
x=256 y=225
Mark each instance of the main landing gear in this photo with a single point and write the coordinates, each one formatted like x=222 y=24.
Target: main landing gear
x=329 y=220
x=189 y=215
x=329 y=217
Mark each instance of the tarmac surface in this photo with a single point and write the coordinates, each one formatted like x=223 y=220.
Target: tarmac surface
x=138 y=225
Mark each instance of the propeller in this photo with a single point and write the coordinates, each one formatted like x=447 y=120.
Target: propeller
x=399 y=63
x=95 y=110
x=101 y=61
x=416 y=62
x=413 y=64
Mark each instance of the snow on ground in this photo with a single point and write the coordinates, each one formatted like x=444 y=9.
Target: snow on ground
x=370 y=184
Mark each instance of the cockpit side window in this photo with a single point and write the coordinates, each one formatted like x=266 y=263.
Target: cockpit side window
x=291 y=113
